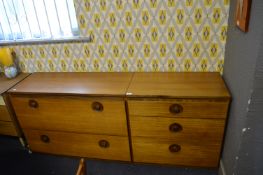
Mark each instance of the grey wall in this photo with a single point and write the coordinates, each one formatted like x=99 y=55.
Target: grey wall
x=242 y=153
x=251 y=151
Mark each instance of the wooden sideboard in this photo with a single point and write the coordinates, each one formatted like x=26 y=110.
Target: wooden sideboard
x=8 y=125
x=166 y=118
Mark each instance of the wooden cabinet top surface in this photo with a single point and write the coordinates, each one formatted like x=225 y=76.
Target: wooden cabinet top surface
x=180 y=85
x=106 y=84
x=6 y=83
x=174 y=85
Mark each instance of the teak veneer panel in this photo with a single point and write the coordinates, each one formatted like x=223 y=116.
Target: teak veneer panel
x=178 y=85
x=193 y=130
x=4 y=114
x=193 y=108
x=8 y=125
x=76 y=144
x=6 y=84
x=73 y=114
x=156 y=150
x=94 y=84
x=7 y=128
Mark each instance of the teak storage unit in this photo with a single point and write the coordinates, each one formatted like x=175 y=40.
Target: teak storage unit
x=177 y=118
x=8 y=124
x=167 y=118
x=78 y=114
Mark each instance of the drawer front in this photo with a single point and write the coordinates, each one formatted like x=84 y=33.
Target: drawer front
x=153 y=150
x=4 y=114
x=179 y=108
x=83 y=145
x=193 y=130
x=89 y=115
x=7 y=128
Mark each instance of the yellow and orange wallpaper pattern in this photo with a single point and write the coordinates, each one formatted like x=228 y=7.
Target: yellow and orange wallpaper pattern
x=137 y=35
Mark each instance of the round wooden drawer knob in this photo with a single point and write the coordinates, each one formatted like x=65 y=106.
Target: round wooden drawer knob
x=176 y=109
x=97 y=106
x=175 y=127
x=104 y=144
x=174 y=148
x=33 y=103
x=45 y=138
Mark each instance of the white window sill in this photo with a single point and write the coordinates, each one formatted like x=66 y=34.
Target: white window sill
x=46 y=41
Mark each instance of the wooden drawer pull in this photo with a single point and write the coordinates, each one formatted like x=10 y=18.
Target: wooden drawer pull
x=45 y=138
x=176 y=109
x=104 y=144
x=175 y=127
x=174 y=148
x=33 y=103
x=97 y=106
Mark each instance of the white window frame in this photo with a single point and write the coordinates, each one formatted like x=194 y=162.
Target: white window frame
x=51 y=39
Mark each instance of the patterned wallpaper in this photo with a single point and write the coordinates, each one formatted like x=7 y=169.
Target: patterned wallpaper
x=138 y=35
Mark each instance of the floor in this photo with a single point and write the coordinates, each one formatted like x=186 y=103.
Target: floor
x=15 y=160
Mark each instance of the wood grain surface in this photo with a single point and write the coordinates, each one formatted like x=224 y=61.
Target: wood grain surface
x=7 y=128
x=193 y=108
x=71 y=114
x=6 y=83
x=94 y=84
x=156 y=150
x=82 y=145
x=7 y=125
x=193 y=130
x=178 y=85
x=4 y=114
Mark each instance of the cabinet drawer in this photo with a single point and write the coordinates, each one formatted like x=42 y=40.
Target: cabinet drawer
x=4 y=114
x=196 y=130
x=76 y=114
x=7 y=128
x=83 y=145
x=179 y=108
x=153 y=150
